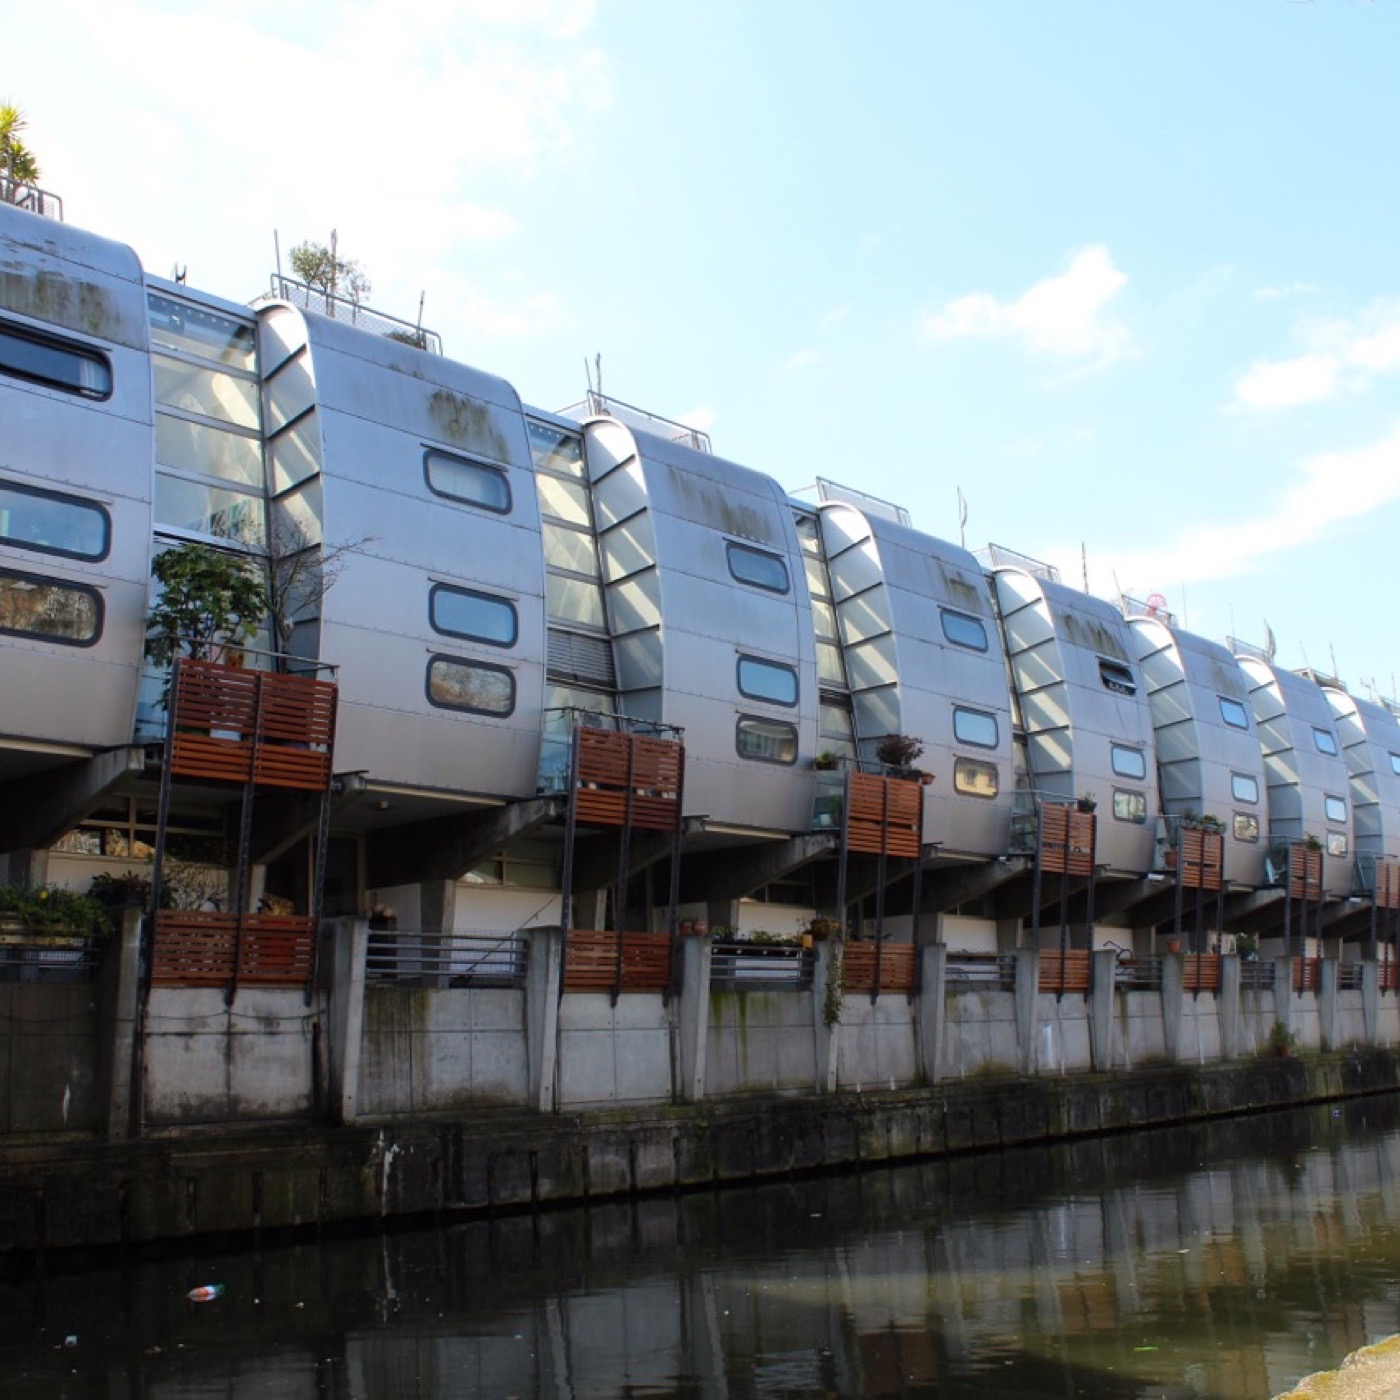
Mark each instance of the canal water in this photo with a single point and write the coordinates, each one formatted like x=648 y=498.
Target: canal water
x=1220 y=1260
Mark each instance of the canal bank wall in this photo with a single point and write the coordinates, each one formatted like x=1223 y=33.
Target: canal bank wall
x=59 y=1194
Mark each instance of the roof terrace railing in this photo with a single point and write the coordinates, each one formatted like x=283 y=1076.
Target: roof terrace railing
x=30 y=197
x=996 y=556
x=596 y=405
x=345 y=309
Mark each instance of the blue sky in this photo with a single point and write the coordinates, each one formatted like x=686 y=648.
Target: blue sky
x=1124 y=272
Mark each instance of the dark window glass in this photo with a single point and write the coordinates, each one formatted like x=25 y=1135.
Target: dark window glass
x=461 y=612
x=1129 y=806
x=461 y=479
x=1243 y=788
x=758 y=567
x=1324 y=740
x=1117 y=677
x=974 y=727
x=766 y=680
x=470 y=685
x=962 y=630
x=1128 y=763
x=52 y=523
x=1246 y=826
x=1335 y=807
x=974 y=778
x=769 y=740
x=59 y=364
x=1233 y=713
x=50 y=610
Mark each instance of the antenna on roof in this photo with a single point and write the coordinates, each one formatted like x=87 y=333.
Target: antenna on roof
x=277 y=253
x=962 y=518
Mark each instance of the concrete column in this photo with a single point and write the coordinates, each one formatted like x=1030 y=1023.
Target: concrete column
x=120 y=1028
x=694 y=1017
x=1327 y=1003
x=1371 y=1000
x=26 y=867
x=543 y=982
x=827 y=1038
x=1027 y=989
x=1102 y=1000
x=1283 y=992
x=1227 y=1006
x=928 y=1029
x=1173 y=1005
x=349 y=943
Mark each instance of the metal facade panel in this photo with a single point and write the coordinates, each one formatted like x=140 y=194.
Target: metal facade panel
x=1370 y=738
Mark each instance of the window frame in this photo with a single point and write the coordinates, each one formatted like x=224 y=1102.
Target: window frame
x=1138 y=772
x=968 y=710
x=477 y=464
x=745 y=659
x=1331 y=804
x=963 y=765
x=77 y=350
x=785 y=725
x=1236 y=779
x=1135 y=798
x=1241 y=824
x=1322 y=738
x=63 y=498
x=1226 y=702
x=741 y=549
x=456 y=590
x=68 y=586
x=945 y=613
x=471 y=663
x=1116 y=676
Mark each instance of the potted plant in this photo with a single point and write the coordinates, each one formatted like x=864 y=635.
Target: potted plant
x=825 y=761
x=1282 y=1041
x=1086 y=802
x=820 y=927
x=898 y=752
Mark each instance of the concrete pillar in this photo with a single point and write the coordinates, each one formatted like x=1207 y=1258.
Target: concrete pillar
x=1327 y=1003
x=928 y=1029
x=349 y=943
x=543 y=982
x=26 y=867
x=1102 y=1000
x=827 y=1000
x=1173 y=1005
x=1227 y=1006
x=120 y=1026
x=694 y=1017
x=1027 y=989
x=1371 y=1000
x=1283 y=992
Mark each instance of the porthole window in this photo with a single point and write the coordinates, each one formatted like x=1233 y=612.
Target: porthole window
x=1244 y=788
x=49 y=609
x=963 y=630
x=1246 y=826
x=973 y=778
x=1129 y=806
x=1128 y=763
x=1336 y=843
x=767 y=680
x=474 y=686
x=480 y=617
x=461 y=479
x=1233 y=713
x=55 y=363
x=767 y=740
x=757 y=566
x=50 y=522
x=1325 y=740
x=1335 y=807
x=1117 y=677
x=975 y=727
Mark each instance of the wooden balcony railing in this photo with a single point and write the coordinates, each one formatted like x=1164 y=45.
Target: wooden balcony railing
x=897 y=967
x=602 y=961
x=198 y=948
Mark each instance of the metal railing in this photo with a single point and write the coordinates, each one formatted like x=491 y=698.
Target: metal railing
x=978 y=972
x=740 y=967
x=355 y=314
x=1134 y=974
x=31 y=198
x=29 y=957
x=996 y=556
x=556 y=744
x=409 y=958
x=596 y=405
x=1257 y=976
x=1349 y=975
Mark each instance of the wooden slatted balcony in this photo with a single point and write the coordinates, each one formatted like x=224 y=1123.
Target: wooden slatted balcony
x=1070 y=971
x=235 y=725
x=591 y=961
x=1200 y=972
x=885 y=816
x=199 y=948
x=1202 y=859
x=629 y=778
x=1067 y=840
x=897 y=967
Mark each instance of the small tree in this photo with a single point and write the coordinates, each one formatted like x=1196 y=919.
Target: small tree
x=208 y=598
x=322 y=268
x=300 y=574
x=16 y=160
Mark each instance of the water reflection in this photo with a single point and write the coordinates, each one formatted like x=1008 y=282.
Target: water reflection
x=1223 y=1261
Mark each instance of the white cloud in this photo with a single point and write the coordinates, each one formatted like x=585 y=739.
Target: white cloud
x=1064 y=317
x=1331 y=489
x=1341 y=357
